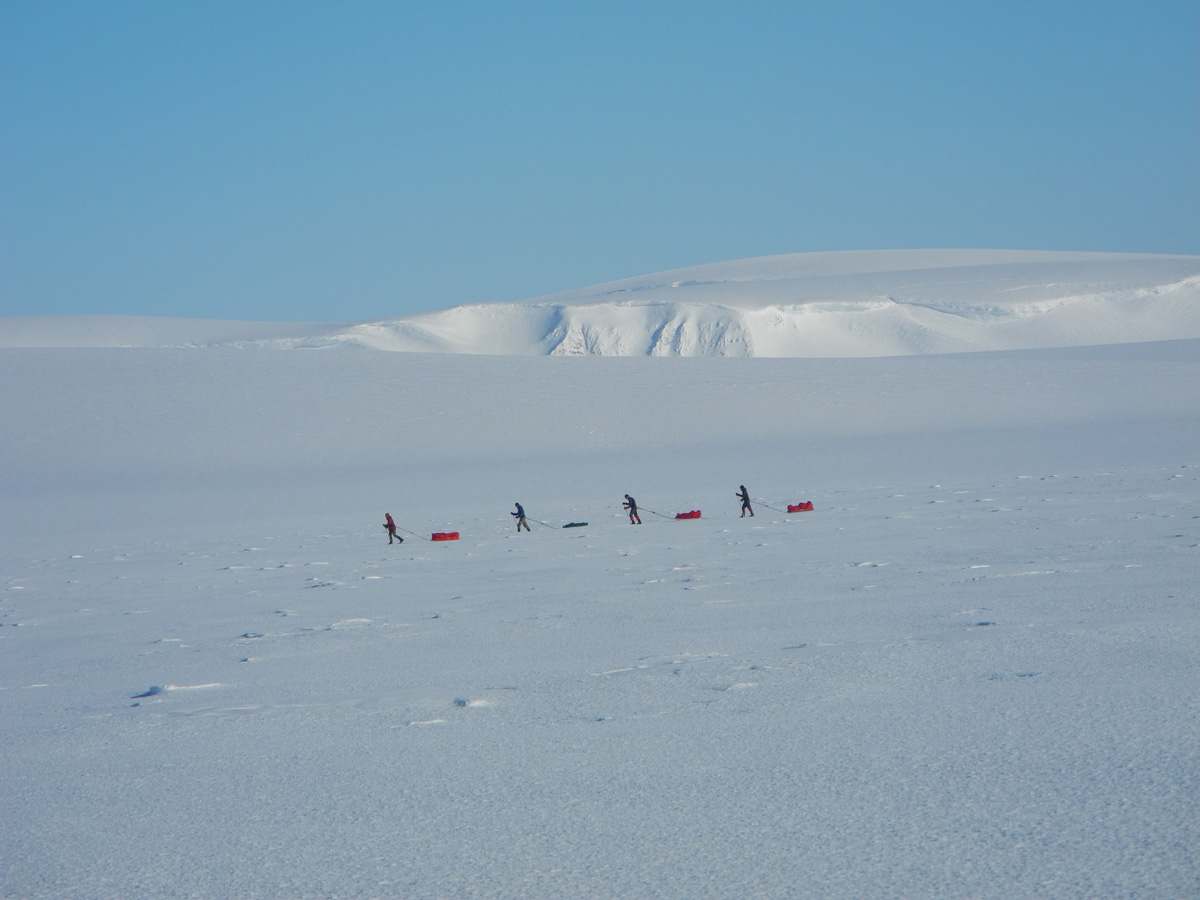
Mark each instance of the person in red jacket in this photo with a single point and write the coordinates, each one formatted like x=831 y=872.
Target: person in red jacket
x=391 y=529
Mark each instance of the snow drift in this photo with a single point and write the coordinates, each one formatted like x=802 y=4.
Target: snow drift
x=837 y=304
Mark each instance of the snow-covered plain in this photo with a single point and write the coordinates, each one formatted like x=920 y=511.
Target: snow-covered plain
x=971 y=672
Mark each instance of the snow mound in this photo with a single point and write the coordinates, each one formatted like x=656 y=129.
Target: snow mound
x=884 y=303
x=836 y=304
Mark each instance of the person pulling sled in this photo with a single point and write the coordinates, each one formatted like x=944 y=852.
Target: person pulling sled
x=631 y=505
x=391 y=529
x=744 y=496
x=520 y=517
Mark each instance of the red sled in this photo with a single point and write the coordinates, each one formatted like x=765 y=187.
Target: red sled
x=806 y=506
x=694 y=514
x=445 y=536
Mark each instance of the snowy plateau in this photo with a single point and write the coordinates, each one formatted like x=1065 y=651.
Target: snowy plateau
x=970 y=672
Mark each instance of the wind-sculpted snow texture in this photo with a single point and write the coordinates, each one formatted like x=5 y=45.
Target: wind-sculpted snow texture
x=970 y=672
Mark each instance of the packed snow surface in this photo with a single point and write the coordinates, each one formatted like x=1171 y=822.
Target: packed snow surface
x=847 y=304
x=970 y=672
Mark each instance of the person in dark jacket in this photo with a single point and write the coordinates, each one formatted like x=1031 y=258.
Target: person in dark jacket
x=520 y=516
x=631 y=505
x=744 y=496
x=391 y=529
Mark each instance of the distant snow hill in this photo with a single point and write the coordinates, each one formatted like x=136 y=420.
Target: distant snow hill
x=836 y=304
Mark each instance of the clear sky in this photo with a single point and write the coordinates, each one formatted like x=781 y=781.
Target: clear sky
x=352 y=160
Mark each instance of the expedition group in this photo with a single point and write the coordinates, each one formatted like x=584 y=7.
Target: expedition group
x=630 y=506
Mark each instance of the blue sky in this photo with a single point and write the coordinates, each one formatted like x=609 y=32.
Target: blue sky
x=345 y=161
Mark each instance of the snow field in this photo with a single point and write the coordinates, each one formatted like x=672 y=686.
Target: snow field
x=970 y=672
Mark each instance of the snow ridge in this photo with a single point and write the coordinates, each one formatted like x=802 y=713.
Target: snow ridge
x=849 y=304
x=825 y=305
